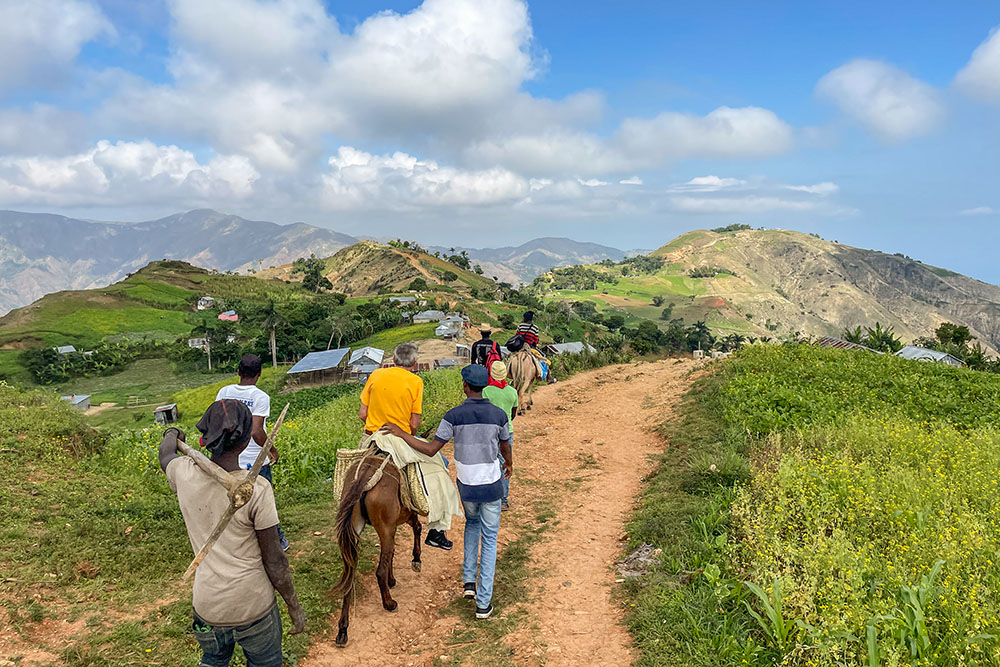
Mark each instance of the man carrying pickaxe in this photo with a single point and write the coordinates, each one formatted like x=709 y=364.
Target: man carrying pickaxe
x=232 y=523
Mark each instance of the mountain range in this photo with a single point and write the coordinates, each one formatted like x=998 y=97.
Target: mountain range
x=42 y=253
x=779 y=282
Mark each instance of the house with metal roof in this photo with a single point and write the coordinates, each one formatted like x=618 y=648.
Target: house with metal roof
x=229 y=316
x=321 y=367
x=841 y=344
x=366 y=356
x=578 y=347
x=166 y=414
x=915 y=353
x=205 y=303
x=425 y=316
x=403 y=299
x=445 y=363
x=65 y=349
x=79 y=401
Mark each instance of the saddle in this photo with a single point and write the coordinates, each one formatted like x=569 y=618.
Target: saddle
x=348 y=467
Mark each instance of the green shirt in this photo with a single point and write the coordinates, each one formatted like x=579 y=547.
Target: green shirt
x=505 y=399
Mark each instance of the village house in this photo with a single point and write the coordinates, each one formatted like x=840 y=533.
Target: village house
x=65 y=349
x=324 y=367
x=577 y=347
x=366 y=356
x=166 y=414
x=79 y=401
x=915 y=353
x=206 y=303
x=427 y=316
x=229 y=316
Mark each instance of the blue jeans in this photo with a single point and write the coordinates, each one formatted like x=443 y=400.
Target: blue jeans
x=260 y=641
x=506 y=482
x=265 y=472
x=482 y=524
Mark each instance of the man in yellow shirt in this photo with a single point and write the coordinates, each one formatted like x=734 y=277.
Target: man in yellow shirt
x=395 y=396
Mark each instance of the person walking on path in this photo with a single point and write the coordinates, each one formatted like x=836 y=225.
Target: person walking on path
x=233 y=596
x=481 y=433
x=485 y=350
x=395 y=396
x=504 y=396
x=249 y=394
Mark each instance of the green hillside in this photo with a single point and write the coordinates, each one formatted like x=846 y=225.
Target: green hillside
x=780 y=283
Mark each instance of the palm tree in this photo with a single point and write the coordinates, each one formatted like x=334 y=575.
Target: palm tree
x=272 y=319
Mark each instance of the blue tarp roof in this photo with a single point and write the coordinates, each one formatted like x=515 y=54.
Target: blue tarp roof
x=319 y=361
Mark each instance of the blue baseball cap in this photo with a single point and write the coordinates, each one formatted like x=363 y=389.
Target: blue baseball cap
x=476 y=375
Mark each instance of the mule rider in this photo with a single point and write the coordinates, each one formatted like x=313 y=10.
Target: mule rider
x=395 y=396
x=529 y=331
x=234 y=586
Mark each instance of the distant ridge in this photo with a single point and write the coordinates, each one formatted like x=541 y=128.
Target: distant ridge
x=42 y=253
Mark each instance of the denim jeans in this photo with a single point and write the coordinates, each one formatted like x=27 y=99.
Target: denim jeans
x=265 y=472
x=261 y=641
x=482 y=524
x=506 y=482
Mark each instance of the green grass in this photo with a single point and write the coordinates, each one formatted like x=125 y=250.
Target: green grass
x=845 y=477
x=388 y=340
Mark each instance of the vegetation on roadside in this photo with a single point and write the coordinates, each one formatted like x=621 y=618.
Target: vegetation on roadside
x=825 y=507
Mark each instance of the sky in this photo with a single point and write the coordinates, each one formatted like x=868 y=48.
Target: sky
x=491 y=122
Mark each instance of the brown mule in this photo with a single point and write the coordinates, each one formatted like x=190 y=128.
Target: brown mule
x=523 y=373
x=380 y=507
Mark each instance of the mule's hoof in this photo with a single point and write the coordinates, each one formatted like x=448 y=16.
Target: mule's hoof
x=392 y=606
x=341 y=640
x=392 y=583
x=415 y=565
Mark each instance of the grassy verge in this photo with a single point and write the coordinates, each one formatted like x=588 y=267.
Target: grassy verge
x=823 y=507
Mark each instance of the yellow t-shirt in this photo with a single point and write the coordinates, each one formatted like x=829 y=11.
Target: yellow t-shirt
x=392 y=395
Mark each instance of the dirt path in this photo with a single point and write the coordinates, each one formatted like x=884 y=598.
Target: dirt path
x=583 y=451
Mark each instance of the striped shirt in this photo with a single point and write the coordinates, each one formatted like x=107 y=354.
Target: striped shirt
x=530 y=332
x=478 y=427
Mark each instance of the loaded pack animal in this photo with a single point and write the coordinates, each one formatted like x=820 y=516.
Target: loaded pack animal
x=381 y=507
x=523 y=372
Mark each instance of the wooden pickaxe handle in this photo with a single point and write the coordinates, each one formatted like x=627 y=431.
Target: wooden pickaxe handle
x=239 y=494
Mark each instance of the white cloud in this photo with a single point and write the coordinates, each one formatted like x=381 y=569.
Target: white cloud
x=979 y=210
x=752 y=204
x=980 y=78
x=360 y=180
x=633 y=180
x=640 y=143
x=726 y=132
x=823 y=189
x=890 y=103
x=40 y=39
x=707 y=184
x=591 y=182
x=124 y=172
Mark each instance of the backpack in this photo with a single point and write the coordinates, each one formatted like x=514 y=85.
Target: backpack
x=494 y=355
x=516 y=343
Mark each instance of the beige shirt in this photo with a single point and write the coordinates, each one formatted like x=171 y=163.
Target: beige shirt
x=231 y=587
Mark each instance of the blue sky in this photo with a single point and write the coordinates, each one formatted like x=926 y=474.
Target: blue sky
x=494 y=121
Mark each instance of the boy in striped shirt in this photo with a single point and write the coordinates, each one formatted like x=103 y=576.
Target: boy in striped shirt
x=481 y=432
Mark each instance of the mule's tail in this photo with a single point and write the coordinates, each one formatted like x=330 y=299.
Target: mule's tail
x=347 y=537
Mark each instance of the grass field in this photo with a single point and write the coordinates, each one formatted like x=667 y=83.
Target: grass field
x=824 y=507
x=387 y=340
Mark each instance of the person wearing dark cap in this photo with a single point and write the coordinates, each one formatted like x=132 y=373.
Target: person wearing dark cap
x=481 y=432
x=234 y=586
x=249 y=394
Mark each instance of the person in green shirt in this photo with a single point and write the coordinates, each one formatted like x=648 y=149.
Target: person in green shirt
x=504 y=396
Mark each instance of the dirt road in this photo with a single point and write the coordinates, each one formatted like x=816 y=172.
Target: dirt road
x=581 y=453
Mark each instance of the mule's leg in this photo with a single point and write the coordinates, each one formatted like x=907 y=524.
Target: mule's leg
x=387 y=543
x=414 y=522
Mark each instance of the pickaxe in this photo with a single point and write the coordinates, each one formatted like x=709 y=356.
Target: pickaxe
x=240 y=491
